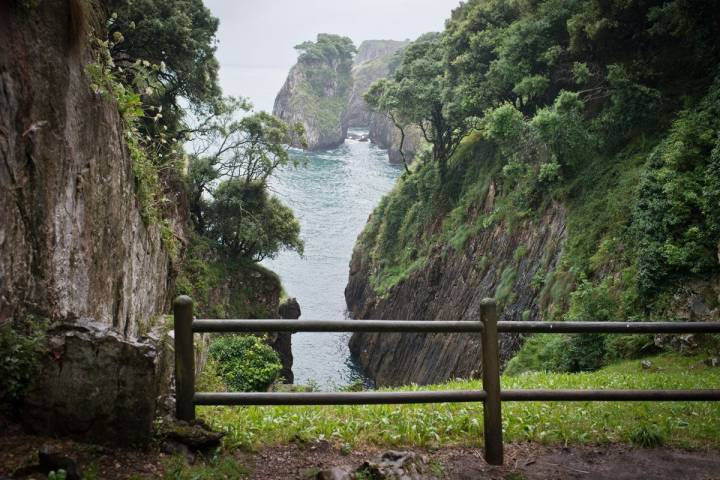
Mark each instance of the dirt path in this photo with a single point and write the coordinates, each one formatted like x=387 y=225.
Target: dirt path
x=523 y=461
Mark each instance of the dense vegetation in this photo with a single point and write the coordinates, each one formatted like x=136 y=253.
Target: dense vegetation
x=245 y=363
x=327 y=63
x=610 y=109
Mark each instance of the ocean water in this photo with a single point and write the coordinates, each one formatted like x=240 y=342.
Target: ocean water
x=332 y=196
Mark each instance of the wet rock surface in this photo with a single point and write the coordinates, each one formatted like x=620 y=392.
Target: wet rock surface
x=72 y=240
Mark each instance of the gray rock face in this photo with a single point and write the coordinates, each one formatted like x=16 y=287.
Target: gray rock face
x=97 y=386
x=450 y=287
x=72 y=242
x=385 y=135
x=321 y=113
x=372 y=63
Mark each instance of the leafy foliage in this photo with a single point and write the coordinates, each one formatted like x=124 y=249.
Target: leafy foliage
x=180 y=36
x=419 y=94
x=228 y=175
x=327 y=63
x=607 y=109
x=131 y=86
x=245 y=362
x=684 y=424
x=20 y=349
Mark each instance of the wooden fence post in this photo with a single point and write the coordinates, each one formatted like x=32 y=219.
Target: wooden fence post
x=184 y=359
x=492 y=413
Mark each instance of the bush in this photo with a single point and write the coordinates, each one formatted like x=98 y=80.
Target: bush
x=19 y=361
x=245 y=362
x=647 y=435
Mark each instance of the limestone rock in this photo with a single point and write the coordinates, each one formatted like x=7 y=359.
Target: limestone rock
x=72 y=240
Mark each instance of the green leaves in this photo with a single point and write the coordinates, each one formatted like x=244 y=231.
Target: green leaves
x=246 y=363
x=229 y=201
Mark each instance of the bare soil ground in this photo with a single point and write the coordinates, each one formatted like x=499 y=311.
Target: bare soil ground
x=523 y=461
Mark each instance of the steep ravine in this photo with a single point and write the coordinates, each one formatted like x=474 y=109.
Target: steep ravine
x=451 y=285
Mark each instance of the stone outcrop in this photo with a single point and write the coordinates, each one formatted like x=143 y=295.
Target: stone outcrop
x=384 y=134
x=450 y=287
x=282 y=341
x=318 y=103
x=97 y=385
x=372 y=62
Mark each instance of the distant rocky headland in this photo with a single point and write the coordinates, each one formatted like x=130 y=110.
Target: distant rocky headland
x=324 y=91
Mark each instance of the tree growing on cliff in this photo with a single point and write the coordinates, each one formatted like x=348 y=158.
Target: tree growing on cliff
x=327 y=48
x=180 y=35
x=228 y=173
x=419 y=93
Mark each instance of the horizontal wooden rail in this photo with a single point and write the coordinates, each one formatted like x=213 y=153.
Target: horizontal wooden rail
x=338 y=398
x=416 y=326
x=447 y=326
x=609 y=327
x=451 y=396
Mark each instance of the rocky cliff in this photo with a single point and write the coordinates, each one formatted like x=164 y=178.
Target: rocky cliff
x=317 y=90
x=377 y=59
x=372 y=62
x=422 y=259
x=72 y=240
x=450 y=286
x=74 y=249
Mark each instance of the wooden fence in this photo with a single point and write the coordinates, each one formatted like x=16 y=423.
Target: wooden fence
x=487 y=327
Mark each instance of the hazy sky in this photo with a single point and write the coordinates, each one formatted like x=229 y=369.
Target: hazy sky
x=257 y=36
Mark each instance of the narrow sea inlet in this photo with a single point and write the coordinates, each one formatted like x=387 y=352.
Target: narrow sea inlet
x=332 y=194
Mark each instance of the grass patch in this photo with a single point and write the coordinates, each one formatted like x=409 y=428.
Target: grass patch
x=682 y=424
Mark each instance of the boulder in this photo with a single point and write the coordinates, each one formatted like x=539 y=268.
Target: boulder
x=97 y=386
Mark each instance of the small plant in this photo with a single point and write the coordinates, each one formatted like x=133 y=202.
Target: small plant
x=647 y=435
x=245 y=362
x=20 y=350
x=57 y=475
x=437 y=469
x=218 y=468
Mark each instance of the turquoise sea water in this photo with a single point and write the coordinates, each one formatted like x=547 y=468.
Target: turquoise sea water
x=332 y=196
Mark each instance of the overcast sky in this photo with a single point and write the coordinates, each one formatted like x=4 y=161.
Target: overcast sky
x=257 y=36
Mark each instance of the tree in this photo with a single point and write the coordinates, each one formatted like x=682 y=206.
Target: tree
x=228 y=173
x=327 y=48
x=246 y=223
x=419 y=94
x=180 y=36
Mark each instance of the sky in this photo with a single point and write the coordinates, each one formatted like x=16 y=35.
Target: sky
x=256 y=37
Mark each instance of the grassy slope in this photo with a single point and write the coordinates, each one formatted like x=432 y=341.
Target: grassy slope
x=679 y=424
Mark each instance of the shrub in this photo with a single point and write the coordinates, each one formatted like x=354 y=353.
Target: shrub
x=647 y=435
x=19 y=360
x=245 y=362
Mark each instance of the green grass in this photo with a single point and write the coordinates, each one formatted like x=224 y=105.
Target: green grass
x=682 y=424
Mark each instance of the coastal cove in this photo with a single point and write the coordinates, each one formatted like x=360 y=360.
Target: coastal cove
x=332 y=194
